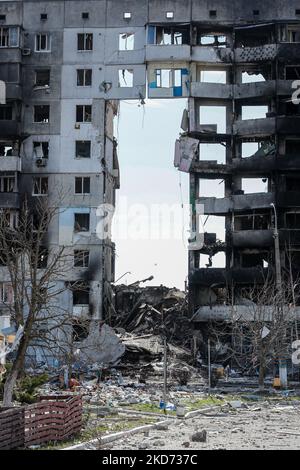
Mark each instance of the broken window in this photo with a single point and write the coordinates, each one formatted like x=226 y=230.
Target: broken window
x=292 y=220
x=127 y=15
x=252 y=221
x=169 y=35
x=83 y=149
x=42 y=77
x=252 y=260
x=84 y=77
x=42 y=42
x=292 y=184
x=126 y=41
x=211 y=188
x=81 y=258
x=214 y=40
x=41 y=149
x=85 y=41
x=42 y=113
x=6 y=293
x=85 y=15
x=81 y=222
x=80 y=329
x=293 y=34
x=252 y=77
x=254 y=185
x=213 y=152
x=84 y=113
x=42 y=260
x=214 y=116
x=6 y=113
x=9 y=218
x=8 y=149
x=7 y=183
x=4 y=37
x=292 y=147
x=81 y=293
x=213 y=76
x=82 y=185
x=126 y=78
x=167 y=78
x=40 y=186
x=254 y=112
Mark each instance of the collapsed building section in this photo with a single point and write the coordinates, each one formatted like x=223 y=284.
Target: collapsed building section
x=64 y=66
x=240 y=143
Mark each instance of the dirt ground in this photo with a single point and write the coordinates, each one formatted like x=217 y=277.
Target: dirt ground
x=259 y=426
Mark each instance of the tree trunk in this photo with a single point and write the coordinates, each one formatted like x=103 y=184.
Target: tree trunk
x=12 y=377
x=261 y=379
x=9 y=386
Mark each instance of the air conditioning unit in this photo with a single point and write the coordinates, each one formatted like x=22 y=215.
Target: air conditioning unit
x=26 y=51
x=41 y=162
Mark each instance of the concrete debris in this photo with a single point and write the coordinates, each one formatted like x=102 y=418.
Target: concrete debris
x=199 y=436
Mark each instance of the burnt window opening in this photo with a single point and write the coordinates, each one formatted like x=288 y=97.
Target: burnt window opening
x=6 y=113
x=256 y=12
x=292 y=147
x=42 y=77
x=126 y=78
x=80 y=330
x=42 y=258
x=41 y=149
x=292 y=109
x=44 y=16
x=126 y=41
x=82 y=185
x=213 y=13
x=252 y=222
x=7 y=183
x=172 y=35
x=81 y=258
x=297 y=12
x=42 y=114
x=84 y=77
x=9 y=218
x=40 y=186
x=292 y=220
x=292 y=184
x=81 y=293
x=81 y=222
x=252 y=260
x=4 y=37
x=2 y=17
x=292 y=72
x=85 y=15
x=218 y=40
x=83 y=149
x=83 y=113
x=85 y=41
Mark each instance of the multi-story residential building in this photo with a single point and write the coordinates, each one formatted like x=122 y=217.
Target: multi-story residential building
x=67 y=63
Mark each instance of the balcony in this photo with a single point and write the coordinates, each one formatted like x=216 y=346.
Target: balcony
x=211 y=90
x=167 y=53
x=255 y=127
x=263 y=53
x=11 y=163
x=231 y=313
x=211 y=54
x=9 y=200
x=236 y=203
x=252 y=238
x=222 y=277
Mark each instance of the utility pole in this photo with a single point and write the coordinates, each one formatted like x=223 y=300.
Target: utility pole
x=282 y=362
x=165 y=374
x=209 y=365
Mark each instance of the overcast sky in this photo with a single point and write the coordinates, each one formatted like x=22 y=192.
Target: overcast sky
x=146 y=137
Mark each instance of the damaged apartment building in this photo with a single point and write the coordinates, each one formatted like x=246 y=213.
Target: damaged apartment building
x=66 y=64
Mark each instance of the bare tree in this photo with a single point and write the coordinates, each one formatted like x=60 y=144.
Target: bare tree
x=260 y=328
x=32 y=269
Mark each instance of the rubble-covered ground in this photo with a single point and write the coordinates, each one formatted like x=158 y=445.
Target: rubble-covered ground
x=262 y=426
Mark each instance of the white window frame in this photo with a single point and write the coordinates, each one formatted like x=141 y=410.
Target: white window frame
x=35 y=180
x=84 y=78
x=38 y=40
x=85 y=254
x=82 y=186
